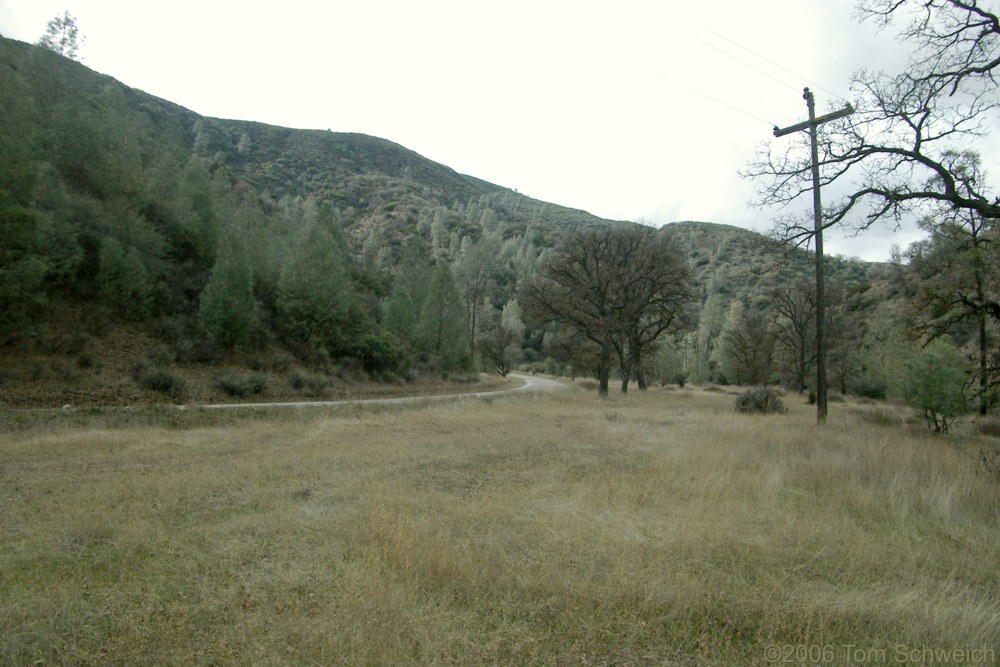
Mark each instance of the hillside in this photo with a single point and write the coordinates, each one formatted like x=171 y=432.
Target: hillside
x=160 y=245
x=120 y=208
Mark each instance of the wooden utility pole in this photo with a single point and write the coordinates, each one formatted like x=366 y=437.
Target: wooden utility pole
x=811 y=125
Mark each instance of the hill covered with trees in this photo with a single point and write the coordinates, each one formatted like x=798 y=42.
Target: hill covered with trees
x=141 y=242
x=349 y=252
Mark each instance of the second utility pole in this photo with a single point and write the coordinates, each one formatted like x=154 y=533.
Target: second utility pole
x=811 y=125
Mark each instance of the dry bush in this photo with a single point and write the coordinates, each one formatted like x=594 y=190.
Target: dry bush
x=877 y=414
x=760 y=401
x=310 y=384
x=241 y=385
x=159 y=379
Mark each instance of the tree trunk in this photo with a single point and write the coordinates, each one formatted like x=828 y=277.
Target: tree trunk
x=635 y=363
x=984 y=400
x=624 y=365
x=604 y=370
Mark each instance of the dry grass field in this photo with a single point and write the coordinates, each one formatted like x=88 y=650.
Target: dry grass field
x=650 y=529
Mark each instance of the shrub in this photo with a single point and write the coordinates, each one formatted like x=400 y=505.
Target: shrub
x=87 y=359
x=868 y=386
x=160 y=356
x=159 y=379
x=281 y=363
x=760 y=400
x=196 y=349
x=990 y=427
x=258 y=363
x=879 y=417
x=376 y=352
x=933 y=384
x=680 y=378
x=312 y=384
x=65 y=372
x=241 y=386
x=462 y=378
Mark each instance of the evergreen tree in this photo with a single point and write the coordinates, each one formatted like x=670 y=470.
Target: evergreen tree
x=314 y=290
x=22 y=268
x=410 y=287
x=400 y=313
x=476 y=271
x=227 y=306
x=62 y=35
x=500 y=342
x=199 y=222
x=441 y=329
x=123 y=280
x=17 y=132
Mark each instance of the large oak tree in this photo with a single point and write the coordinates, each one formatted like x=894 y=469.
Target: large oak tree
x=620 y=287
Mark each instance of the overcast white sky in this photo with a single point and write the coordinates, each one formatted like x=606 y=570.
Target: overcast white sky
x=630 y=109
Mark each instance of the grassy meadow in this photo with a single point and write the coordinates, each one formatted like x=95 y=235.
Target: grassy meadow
x=660 y=528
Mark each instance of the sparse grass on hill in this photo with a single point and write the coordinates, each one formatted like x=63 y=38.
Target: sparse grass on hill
x=660 y=528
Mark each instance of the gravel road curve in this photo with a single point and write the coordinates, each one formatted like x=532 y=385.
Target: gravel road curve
x=531 y=383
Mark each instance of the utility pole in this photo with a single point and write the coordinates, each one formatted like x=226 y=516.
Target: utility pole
x=811 y=125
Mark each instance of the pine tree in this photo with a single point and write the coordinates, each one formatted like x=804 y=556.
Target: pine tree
x=410 y=287
x=227 y=306
x=123 y=280
x=314 y=290
x=62 y=35
x=441 y=330
x=22 y=269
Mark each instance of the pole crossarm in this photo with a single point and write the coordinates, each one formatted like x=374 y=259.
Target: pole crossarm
x=806 y=124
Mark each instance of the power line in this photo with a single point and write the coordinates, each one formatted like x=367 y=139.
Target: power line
x=714 y=47
x=739 y=46
x=611 y=56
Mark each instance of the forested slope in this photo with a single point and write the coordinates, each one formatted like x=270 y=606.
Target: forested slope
x=218 y=236
x=208 y=240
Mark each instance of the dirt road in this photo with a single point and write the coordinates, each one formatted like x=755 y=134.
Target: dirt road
x=531 y=383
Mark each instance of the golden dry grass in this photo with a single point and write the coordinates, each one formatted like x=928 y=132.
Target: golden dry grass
x=650 y=529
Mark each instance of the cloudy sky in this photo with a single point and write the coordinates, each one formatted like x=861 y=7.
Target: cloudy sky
x=630 y=109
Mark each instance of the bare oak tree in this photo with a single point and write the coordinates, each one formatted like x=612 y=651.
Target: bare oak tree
x=748 y=345
x=619 y=287
x=794 y=307
x=903 y=152
x=654 y=292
